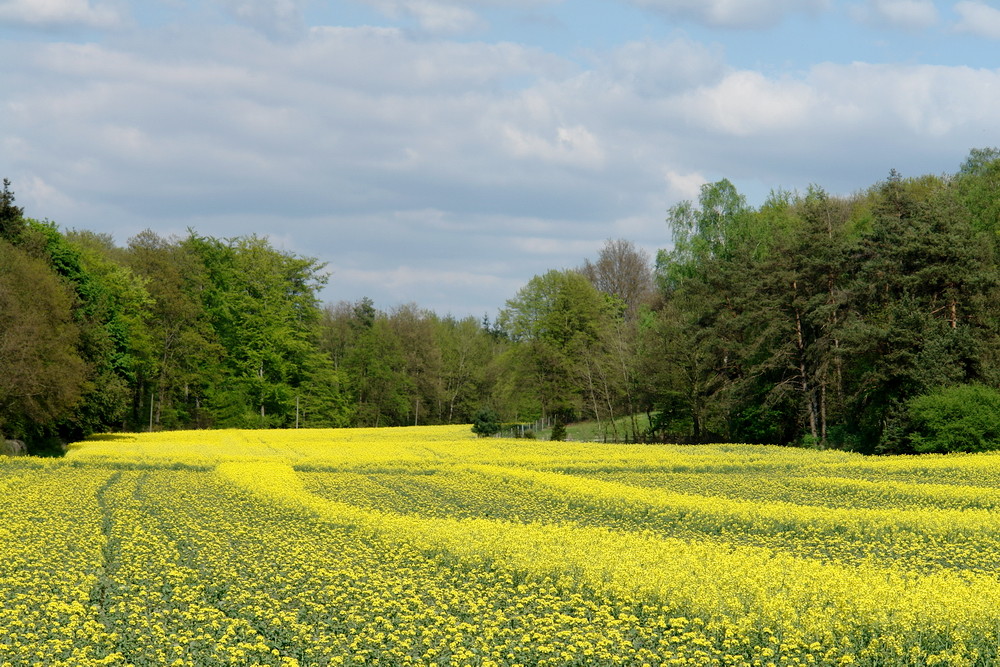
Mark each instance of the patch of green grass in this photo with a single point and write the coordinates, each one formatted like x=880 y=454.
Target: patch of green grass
x=621 y=430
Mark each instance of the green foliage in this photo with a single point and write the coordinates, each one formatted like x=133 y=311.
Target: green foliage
x=108 y=310
x=812 y=319
x=115 y=304
x=917 y=304
x=558 y=431
x=261 y=306
x=815 y=318
x=11 y=216
x=486 y=423
x=559 y=321
x=958 y=418
x=409 y=366
x=559 y=308
x=185 y=353
x=323 y=399
x=978 y=186
x=377 y=368
x=714 y=230
x=43 y=378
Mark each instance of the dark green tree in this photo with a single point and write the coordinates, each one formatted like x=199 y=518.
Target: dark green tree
x=11 y=216
x=109 y=309
x=467 y=351
x=707 y=286
x=415 y=329
x=920 y=277
x=376 y=366
x=42 y=376
x=486 y=423
x=185 y=353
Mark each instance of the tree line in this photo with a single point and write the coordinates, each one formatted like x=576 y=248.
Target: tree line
x=867 y=322
x=855 y=323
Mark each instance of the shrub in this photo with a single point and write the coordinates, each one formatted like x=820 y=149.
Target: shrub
x=486 y=423
x=960 y=418
x=558 y=431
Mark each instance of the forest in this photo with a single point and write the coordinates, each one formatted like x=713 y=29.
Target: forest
x=868 y=322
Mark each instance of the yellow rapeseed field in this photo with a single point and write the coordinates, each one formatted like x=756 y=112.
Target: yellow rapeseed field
x=427 y=546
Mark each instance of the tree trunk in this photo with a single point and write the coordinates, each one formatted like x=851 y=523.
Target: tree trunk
x=822 y=414
x=593 y=396
x=803 y=376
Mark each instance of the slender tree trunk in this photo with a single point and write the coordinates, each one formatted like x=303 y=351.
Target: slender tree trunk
x=161 y=389
x=611 y=407
x=803 y=375
x=593 y=395
x=627 y=382
x=822 y=413
x=260 y=374
x=695 y=412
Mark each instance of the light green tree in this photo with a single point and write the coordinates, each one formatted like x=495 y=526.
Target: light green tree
x=558 y=321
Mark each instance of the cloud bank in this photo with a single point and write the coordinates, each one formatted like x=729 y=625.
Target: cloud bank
x=444 y=170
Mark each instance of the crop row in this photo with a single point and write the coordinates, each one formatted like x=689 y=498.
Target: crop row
x=921 y=538
x=802 y=607
x=428 y=547
x=51 y=544
x=241 y=579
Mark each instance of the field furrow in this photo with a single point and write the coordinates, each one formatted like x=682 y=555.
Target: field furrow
x=429 y=547
x=50 y=561
x=920 y=536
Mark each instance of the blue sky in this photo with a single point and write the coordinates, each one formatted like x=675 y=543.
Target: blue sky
x=442 y=152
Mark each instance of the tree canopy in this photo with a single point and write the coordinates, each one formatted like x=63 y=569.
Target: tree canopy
x=856 y=322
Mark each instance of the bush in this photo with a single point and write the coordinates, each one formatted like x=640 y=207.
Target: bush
x=558 y=431
x=486 y=423
x=960 y=418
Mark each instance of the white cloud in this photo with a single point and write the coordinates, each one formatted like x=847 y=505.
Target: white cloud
x=978 y=18
x=407 y=124
x=684 y=186
x=375 y=60
x=574 y=146
x=933 y=102
x=746 y=103
x=733 y=13
x=901 y=14
x=275 y=18
x=390 y=155
x=435 y=16
x=446 y=17
x=59 y=13
x=36 y=189
x=658 y=68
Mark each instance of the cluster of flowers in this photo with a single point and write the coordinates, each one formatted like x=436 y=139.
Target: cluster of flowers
x=425 y=546
x=51 y=544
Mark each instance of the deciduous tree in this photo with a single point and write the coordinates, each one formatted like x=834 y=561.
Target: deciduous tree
x=42 y=376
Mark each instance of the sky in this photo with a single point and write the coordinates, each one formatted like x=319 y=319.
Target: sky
x=443 y=152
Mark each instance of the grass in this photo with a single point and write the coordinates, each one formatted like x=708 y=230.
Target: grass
x=620 y=430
